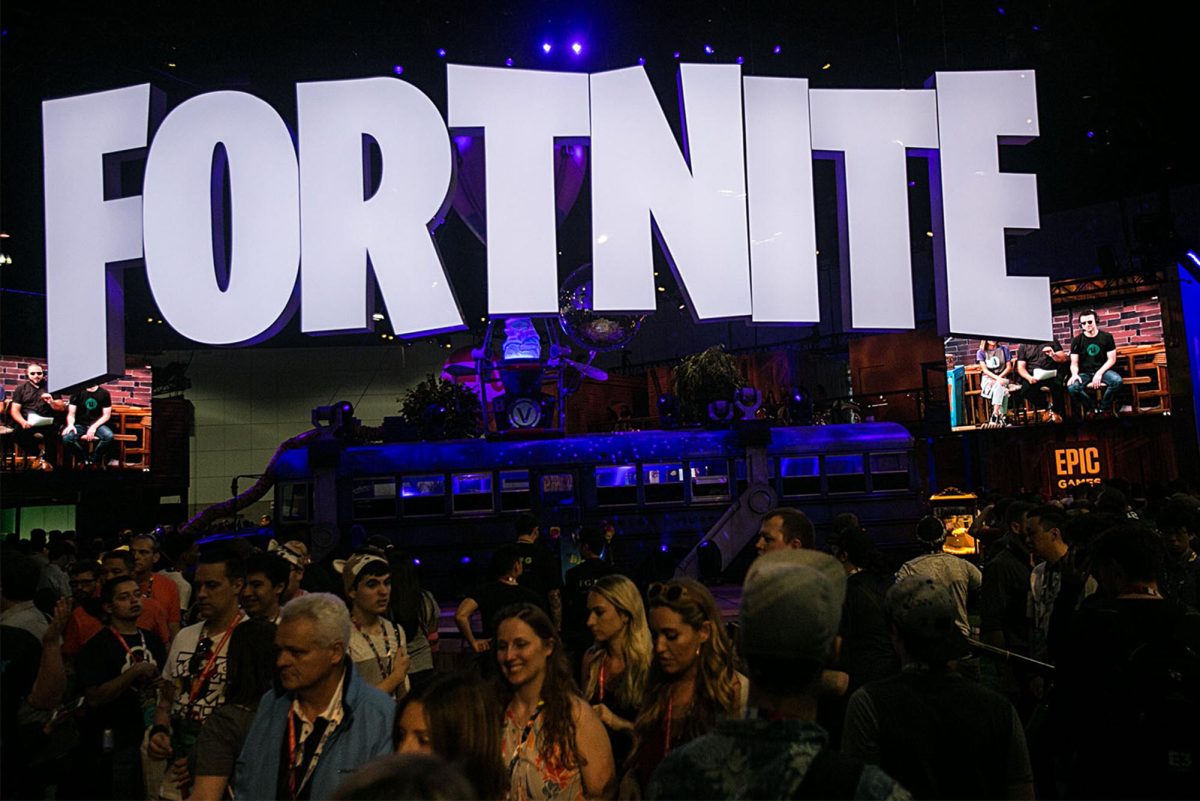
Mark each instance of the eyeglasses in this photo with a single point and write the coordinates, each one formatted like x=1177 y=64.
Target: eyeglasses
x=81 y=582
x=669 y=592
x=35 y=372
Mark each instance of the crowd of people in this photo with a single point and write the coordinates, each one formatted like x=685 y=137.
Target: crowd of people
x=1061 y=663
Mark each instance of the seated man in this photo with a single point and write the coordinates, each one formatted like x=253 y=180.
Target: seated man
x=87 y=414
x=1037 y=366
x=1093 y=356
x=32 y=410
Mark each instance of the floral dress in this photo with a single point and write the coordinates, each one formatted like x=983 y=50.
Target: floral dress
x=534 y=775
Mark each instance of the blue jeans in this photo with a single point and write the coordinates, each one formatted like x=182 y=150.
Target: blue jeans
x=104 y=438
x=1079 y=390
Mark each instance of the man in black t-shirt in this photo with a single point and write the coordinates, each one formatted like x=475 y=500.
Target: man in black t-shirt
x=87 y=414
x=1037 y=367
x=577 y=586
x=118 y=670
x=32 y=411
x=491 y=596
x=1093 y=355
x=542 y=572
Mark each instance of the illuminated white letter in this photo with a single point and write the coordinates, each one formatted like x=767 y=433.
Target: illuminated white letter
x=520 y=112
x=183 y=219
x=783 y=239
x=874 y=129
x=637 y=170
x=85 y=299
x=341 y=229
x=978 y=203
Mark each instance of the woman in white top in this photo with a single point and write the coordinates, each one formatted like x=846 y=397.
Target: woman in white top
x=378 y=647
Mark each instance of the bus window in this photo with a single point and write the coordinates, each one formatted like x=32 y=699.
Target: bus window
x=663 y=482
x=423 y=495
x=374 y=498
x=710 y=480
x=295 y=502
x=844 y=473
x=889 y=471
x=616 y=485
x=514 y=491
x=801 y=475
x=558 y=489
x=471 y=492
x=740 y=471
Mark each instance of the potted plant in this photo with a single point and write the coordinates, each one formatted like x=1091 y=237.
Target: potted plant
x=702 y=378
x=438 y=409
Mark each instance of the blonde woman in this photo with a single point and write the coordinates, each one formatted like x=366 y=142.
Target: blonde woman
x=994 y=368
x=617 y=667
x=692 y=681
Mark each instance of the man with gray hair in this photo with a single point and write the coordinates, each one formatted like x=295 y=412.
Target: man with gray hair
x=791 y=609
x=325 y=722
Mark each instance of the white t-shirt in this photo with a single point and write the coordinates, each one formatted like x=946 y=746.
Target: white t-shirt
x=376 y=665
x=184 y=667
x=952 y=572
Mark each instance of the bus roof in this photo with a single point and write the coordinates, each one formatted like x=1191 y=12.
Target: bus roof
x=616 y=448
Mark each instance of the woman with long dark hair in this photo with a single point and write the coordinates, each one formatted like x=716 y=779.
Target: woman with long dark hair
x=416 y=612
x=692 y=679
x=454 y=716
x=616 y=668
x=553 y=743
x=251 y=673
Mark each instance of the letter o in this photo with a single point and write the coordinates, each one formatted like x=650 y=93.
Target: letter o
x=178 y=219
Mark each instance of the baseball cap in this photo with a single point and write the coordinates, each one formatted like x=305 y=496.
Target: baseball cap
x=931 y=531
x=792 y=605
x=925 y=614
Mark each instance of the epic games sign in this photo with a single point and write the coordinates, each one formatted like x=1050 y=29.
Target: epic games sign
x=734 y=210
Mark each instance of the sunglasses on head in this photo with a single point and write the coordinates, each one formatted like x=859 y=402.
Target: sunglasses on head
x=670 y=592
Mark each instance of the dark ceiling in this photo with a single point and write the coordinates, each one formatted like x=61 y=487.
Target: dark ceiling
x=1115 y=84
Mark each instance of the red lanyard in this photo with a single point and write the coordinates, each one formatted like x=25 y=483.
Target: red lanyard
x=601 y=679
x=125 y=645
x=292 y=754
x=212 y=661
x=670 y=713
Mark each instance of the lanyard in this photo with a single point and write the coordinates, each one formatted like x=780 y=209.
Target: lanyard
x=385 y=669
x=601 y=679
x=293 y=749
x=670 y=714
x=125 y=645
x=528 y=730
x=212 y=662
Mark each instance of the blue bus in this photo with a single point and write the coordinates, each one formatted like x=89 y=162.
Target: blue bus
x=452 y=503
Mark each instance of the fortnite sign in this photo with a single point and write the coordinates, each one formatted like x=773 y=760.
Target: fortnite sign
x=734 y=210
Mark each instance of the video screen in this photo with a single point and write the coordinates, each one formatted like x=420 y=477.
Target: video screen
x=1002 y=383
x=106 y=427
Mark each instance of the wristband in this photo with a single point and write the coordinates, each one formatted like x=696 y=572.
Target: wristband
x=158 y=728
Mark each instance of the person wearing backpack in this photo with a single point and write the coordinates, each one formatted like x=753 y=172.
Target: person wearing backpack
x=1129 y=681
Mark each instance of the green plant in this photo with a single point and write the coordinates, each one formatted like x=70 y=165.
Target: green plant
x=702 y=378
x=438 y=409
